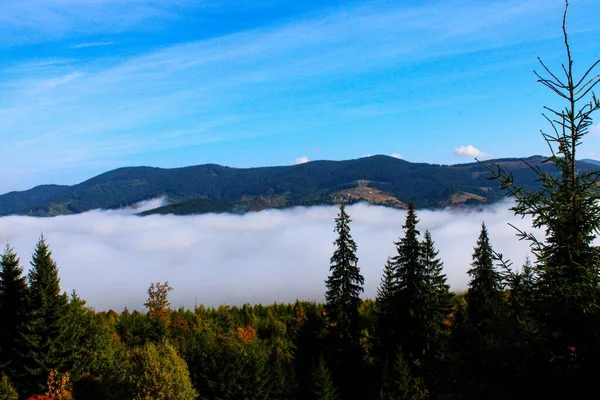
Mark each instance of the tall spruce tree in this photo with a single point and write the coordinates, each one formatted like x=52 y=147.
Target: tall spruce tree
x=345 y=282
x=385 y=307
x=438 y=306
x=48 y=306
x=478 y=330
x=410 y=291
x=344 y=286
x=567 y=266
x=14 y=312
x=385 y=291
x=484 y=295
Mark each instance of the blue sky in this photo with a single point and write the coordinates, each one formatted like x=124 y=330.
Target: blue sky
x=91 y=85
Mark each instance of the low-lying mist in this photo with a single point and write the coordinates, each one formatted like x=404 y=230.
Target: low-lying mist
x=111 y=257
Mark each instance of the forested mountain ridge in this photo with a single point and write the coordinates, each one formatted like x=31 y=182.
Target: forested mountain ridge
x=214 y=188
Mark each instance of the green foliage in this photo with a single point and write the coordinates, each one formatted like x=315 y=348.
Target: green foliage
x=478 y=329
x=398 y=382
x=83 y=338
x=156 y=372
x=345 y=283
x=343 y=288
x=13 y=314
x=566 y=273
x=322 y=383
x=48 y=307
x=158 y=306
x=7 y=391
x=437 y=302
x=132 y=327
x=229 y=365
x=409 y=290
x=385 y=291
x=484 y=296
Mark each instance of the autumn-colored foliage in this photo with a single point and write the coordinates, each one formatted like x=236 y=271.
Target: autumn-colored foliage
x=247 y=334
x=59 y=386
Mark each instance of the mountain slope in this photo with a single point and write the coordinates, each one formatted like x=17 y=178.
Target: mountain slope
x=214 y=188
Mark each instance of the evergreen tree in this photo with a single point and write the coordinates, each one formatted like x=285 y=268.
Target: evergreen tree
x=409 y=308
x=345 y=282
x=478 y=329
x=484 y=295
x=521 y=286
x=322 y=384
x=48 y=306
x=438 y=306
x=344 y=285
x=13 y=314
x=567 y=266
x=385 y=291
x=398 y=382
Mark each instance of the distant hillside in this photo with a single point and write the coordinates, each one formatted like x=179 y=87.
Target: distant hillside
x=590 y=161
x=214 y=188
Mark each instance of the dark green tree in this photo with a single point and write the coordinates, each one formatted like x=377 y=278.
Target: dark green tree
x=344 y=286
x=479 y=326
x=438 y=307
x=484 y=295
x=398 y=382
x=323 y=387
x=48 y=306
x=385 y=291
x=567 y=263
x=409 y=309
x=345 y=282
x=13 y=314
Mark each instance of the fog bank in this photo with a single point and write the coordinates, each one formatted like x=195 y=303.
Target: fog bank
x=111 y=257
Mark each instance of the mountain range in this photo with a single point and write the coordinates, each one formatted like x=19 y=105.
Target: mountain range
x=213 y=188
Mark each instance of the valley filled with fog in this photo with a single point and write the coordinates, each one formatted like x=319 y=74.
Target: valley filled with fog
x=111 y=257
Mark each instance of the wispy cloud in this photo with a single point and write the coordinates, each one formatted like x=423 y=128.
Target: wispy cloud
x=469 y=151
x=110 y=258
x=397 y=155
x=31 y=21
x=91 y=44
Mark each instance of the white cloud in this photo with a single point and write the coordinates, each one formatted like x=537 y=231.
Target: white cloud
x=397 y=155
x=469 y=151
x=277 y=255
x=595 y=129
x=301 y=160
x=91 y=44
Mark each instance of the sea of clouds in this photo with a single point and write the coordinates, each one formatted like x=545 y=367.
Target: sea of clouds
x=111 y=257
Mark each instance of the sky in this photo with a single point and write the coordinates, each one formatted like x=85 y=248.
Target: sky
x=110 y=258
x=91 y=85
